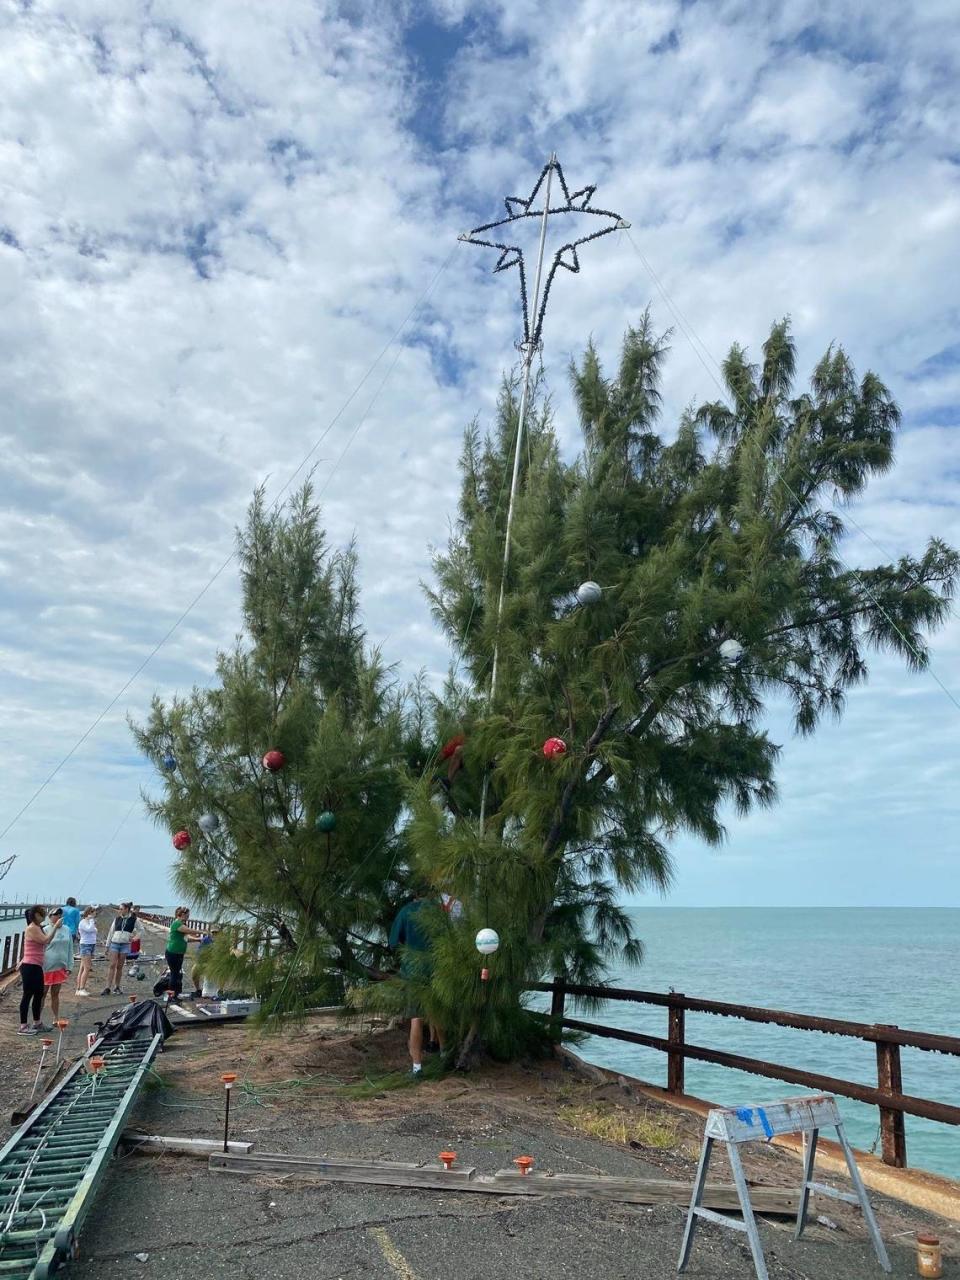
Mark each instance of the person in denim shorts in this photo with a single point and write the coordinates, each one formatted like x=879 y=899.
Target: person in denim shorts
x=88 y=944
x=118 y=946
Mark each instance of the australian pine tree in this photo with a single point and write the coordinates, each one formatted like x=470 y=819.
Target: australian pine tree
x=309 y=854
x=718 y=549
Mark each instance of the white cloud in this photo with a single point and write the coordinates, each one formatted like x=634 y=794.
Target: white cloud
x=211 y=223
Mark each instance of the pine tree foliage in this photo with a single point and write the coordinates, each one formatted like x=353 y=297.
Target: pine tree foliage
x=301 y=680
x=729 y=530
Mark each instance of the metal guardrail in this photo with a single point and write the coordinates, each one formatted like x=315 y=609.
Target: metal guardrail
x=52 y=1166
x=888 y=1094
x=13 y=910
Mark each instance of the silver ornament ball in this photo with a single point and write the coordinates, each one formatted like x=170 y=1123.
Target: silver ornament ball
x=589 y=593
x=731 y=651
x=209 y=822
x=488 y=940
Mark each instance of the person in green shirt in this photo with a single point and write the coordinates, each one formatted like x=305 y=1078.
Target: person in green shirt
x=176 y=948
x=408 y=932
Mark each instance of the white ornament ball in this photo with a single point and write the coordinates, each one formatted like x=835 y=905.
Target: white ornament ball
x=487 y=941
x=731 y=651
x=589 y=593
x=209 y=822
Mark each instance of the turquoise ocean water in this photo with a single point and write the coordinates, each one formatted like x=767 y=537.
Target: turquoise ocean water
x=868 y=965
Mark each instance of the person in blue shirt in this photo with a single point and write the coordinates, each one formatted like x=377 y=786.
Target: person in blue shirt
x=71 y=918
x=408 y=932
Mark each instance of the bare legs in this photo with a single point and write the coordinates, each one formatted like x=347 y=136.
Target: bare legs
x=416 y=1041
x=83 y=973
x=55 y=1001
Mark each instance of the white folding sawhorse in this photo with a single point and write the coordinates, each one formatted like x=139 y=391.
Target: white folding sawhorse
x=735 y=1125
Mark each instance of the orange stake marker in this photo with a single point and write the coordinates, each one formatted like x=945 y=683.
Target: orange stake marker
x=229 y=1079
x=447 y=1158
x=61 y=1024
x=524 y=1164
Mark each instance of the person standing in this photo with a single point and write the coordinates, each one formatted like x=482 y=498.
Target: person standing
x=35 y=943
x=121 y=935
x=88 y=945
x=176 y=947
x=57 y=959
x=71 y=917
x=408 y=932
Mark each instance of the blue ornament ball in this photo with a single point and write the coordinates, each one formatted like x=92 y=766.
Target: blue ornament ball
x=169 y=762
x=327 y=821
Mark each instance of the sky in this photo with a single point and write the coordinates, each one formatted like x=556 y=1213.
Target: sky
x=214 y=221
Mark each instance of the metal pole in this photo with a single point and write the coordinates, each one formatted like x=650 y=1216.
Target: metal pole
x=228 y=1078
x=528 y=354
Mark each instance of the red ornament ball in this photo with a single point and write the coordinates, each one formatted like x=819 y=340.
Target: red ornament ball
x=554 y=747
x=182 y=840
x=449 y=748
x=274 y=761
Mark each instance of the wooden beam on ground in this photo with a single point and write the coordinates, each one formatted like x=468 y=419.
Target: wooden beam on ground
x=380 y=1172
x=650 y=1191
x=203 y=1147
x=647 y=1191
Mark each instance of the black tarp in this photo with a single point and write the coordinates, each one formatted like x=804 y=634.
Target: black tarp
x=125 y=1023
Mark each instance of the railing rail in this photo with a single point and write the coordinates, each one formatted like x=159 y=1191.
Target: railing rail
x=888 y=1094
x=12 y=953
x=245 y=937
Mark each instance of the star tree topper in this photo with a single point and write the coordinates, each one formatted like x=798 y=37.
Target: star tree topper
x=511 y=255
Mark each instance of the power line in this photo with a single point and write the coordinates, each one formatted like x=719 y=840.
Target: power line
x=229 y=560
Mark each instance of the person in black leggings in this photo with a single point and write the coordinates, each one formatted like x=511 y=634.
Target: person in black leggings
x=35 y=941
x=176 y=948
x=31 y=975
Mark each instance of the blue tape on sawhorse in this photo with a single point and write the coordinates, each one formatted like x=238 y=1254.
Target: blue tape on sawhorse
x=746 y=1115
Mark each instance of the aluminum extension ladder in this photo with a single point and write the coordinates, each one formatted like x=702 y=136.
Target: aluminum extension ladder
x=736 y=1125
x=52 y=1166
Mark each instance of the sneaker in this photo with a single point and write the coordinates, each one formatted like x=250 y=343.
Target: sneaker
x=82 y=992
x=38 y=1027
x=117 y=991
x=106 y=992
x=27 y=1031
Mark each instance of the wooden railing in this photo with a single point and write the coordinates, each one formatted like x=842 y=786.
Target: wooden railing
x=245 y=937
x=888 y=1094
x=12 y=952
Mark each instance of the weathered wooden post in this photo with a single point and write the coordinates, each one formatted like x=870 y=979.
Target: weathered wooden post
x=675 y=1035
x=556 y=1009
x=892 y=1130
x=6 y=954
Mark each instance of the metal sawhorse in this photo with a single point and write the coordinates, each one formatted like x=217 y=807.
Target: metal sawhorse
x=735 y=1125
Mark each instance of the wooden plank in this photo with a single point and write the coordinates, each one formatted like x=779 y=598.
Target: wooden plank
x=379 y=1172
x=774 y=1200
x=184 y=1146
x=648 y=1191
